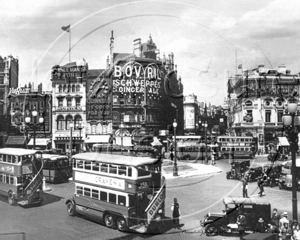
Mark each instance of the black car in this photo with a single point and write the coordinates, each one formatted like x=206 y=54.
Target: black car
x=272 y=173
x=252 y=208
x=238 y=169
x=253 y=173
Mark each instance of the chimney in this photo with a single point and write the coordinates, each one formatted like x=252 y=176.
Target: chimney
x=137 y=44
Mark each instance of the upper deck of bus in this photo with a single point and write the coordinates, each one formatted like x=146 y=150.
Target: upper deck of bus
x=18 y=151
x=115 y=159
x=234 y=138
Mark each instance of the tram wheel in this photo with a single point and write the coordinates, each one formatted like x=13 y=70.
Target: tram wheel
x=11 y=198
x=71 y=209
x=109 y=220
x=121 y=224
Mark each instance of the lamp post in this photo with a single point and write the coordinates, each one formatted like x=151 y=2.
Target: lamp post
x=199 y=126
x=79 y=126
x=205 y=127
x=291 y=121
x=34 y=123
x=175 y=169
x=71 y=125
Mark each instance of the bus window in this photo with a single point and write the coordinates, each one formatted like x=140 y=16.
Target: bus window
x=129 y=171
x=96 y=166
x=11 y=180
x=143 y=171
x=122 y=200
x=242 y=149
x=112 y=169
x=103 y=196
x=1 y=180
x=79 y=164
x=4 y=158
x=104 y=168
x=112 y=198
x=7 y=179
x=95 y=194
x=79 y=190
x=122 y=170
x=88 y=166
x=87 y=192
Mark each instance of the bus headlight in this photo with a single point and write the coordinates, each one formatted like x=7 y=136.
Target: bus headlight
x=160 y=211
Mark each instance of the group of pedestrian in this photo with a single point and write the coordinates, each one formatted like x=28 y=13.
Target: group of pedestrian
x=260 y=184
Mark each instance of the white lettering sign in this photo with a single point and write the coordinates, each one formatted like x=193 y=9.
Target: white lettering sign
x=155 y=204
x=100 y=180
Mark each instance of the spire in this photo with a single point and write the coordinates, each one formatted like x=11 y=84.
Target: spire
x=205 y=109
x=111 y=47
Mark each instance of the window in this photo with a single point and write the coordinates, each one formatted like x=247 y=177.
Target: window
x=96 y=167
x=69 y=88
x=112 y=198
x=79 y=190
x=122 y=200
x=122 y=170
x=104 y=168
x=73 y=88
x=80 y=164
x=103 y=196
x=60 y=89
x=69 y=102
x=143 y=171
x=0 y=177
x=60 y=123
x=279 y=115
x=11 y=178
x=77 y=88
x=77 y=102
x=60 y=102
x=9 y=158
x=68 y=121
x=95 y=194
x=87 y=192
x=113 y=169
x=122 y=101
x=7 y=179
x=268 y=116
x=248 y=103
x=87 y=165
x=129 y=172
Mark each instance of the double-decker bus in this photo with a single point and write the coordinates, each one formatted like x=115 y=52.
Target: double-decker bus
x=21 y=175
x=57 y=168
x=125 y=192
x=236 y=147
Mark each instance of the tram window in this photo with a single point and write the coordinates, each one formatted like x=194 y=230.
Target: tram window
x=112 y=198
x=95 y=194
x=87 y=192
x=103 y=196
x=79 y=190
x=113 y=169
x=129 y=172
x=122 y=200
x=96 y=167
x=122 y=170
x=104 y=168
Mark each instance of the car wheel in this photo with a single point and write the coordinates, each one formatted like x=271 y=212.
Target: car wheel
x=228 y=175
x=71 y=209
x=11 y=198
x=121 y=225
x=211 y=230
x=109 y=220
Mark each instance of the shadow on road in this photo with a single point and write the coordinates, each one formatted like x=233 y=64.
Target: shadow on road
x=50 y=198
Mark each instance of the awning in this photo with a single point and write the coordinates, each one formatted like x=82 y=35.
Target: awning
x=16 y=140
x=282 y=141
x=39 y=142
x=97 y=139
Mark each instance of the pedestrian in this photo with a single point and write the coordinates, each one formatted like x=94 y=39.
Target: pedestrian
x=260 y=226
x=296 y=233
x=171 y=155
x=285 y=232
x=283 y=220
x=245 y=188
x=260 y=183
x=275 y=217
x=241 y=222
x=176 y=213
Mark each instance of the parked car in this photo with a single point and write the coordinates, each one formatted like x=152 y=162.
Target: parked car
x=277 y=156
x=253 y=173
x=285 y=178
x=272 y=172
x=252 y=208
x=238 y=169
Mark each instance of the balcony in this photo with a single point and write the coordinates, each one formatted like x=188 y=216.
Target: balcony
x=68 y=109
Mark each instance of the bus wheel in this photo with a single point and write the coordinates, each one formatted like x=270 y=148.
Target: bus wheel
x=109 y=220
x=71 y=209
x=11 y=198
x=121 y=224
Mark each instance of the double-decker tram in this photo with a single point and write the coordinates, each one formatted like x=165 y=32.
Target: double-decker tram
x=125 y=192
x=236 y=147
x=56 y=168
x=21 y=176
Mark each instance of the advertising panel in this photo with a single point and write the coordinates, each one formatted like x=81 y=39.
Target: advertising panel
x=189 y=115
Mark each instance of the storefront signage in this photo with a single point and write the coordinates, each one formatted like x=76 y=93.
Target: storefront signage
x=155 y=204
x=136 y=86
x=100 y=180
x=72 y=108
x=17 y=91
x=135 y=69
x=189 y=115
x=62 y=73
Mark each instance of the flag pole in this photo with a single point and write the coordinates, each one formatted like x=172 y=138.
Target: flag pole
x=235 y=62
x=70 y=44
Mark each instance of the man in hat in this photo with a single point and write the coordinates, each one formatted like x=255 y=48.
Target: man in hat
x=283 y=220
x=245 y=188
x=241 y=222
x=275 y=218
x=260 y=226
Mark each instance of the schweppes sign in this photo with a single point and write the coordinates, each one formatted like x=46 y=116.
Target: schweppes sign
x=155 y=204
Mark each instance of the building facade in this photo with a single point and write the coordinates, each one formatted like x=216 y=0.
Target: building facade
x=69 y=106
x=257 y=100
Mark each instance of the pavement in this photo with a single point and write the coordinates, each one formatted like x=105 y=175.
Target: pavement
x=186 y=169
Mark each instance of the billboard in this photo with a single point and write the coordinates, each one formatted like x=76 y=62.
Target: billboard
x=189 y=116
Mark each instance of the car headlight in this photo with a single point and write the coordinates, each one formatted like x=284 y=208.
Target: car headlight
x=160 y=211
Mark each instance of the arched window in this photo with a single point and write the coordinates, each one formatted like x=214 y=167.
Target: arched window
x=77 y=88
x=60 y=88
x=60 y=122
x=268 y=102
x=279 y=103
x=73 y=88
x=69 y=119
x=69 y=88
x=77 y=120
x=65 y=88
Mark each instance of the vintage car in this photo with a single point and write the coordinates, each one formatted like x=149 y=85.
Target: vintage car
x=285 y=178
x=272 y=172
x=254 y=172
x=225 y=222
x=277 y=156
x=238 y=168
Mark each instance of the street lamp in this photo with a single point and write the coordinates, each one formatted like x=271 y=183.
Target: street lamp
x=205 y=127
x=291 y=121
x=34 y=123
x=175 y=169
x=71 y=125
x=199 y=126
x=79 y=126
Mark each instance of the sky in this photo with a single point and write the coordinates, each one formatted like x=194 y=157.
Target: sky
x=208 y=38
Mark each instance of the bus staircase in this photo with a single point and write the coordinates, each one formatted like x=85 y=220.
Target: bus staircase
x=34 y=184
x=152 y=209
